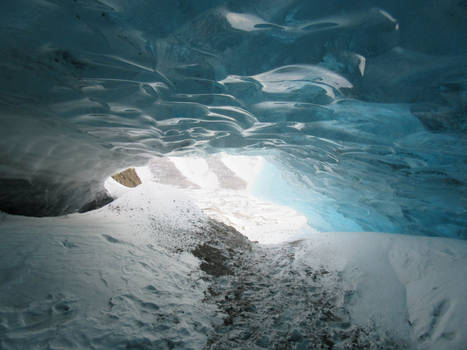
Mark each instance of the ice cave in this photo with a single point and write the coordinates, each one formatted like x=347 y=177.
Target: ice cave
x=233 y=174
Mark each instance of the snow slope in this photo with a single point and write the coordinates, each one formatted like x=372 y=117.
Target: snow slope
x=413 y=286
x=108 y=279
x=224 y=190
x=124 y=277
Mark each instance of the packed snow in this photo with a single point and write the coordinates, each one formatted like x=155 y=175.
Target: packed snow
x=123 y=276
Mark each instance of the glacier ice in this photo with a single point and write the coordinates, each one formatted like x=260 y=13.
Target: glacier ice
x=288 y=120
x=362 y=105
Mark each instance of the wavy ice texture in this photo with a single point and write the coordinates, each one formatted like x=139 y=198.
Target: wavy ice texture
x=360 y=106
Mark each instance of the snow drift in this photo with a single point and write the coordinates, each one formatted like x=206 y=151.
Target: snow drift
x=127 y=276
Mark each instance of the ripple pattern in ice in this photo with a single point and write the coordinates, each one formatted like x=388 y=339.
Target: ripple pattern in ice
x=365 y=105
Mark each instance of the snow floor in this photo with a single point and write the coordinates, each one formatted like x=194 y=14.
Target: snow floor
x=124 y=277
x=413 y=286
x=222 y=187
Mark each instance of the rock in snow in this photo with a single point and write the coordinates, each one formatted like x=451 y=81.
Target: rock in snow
x=128 y=178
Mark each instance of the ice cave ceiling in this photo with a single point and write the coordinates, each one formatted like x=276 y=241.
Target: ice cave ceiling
x=364 y=102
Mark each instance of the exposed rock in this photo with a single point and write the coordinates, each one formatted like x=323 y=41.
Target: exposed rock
x=213 y=260
x=127 y=178
x=270 y=300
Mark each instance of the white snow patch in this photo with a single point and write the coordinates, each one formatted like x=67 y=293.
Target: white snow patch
x=259 y=220
x=76 y=279
x=413 y=286
x=245 y=167
x=144 y=173
x=244 y=21
x=109 y=278
x=115 y=188
x=196 y=169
